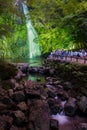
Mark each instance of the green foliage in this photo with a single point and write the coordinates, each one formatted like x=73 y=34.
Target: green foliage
x=13 y=34
x=57 y=23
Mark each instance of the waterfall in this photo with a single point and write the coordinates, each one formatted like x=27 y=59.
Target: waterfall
x=33 y=43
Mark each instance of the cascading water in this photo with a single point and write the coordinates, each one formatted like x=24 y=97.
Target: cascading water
x=34 y=49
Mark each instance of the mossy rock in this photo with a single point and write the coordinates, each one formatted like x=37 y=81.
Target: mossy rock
x=7 y=70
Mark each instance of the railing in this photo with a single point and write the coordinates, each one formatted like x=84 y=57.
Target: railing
x=76 y=59
x=81 y=60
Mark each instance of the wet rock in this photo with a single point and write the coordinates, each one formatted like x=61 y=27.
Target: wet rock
x=46 y=70
x=56 y=109
x=34 y=69
x=57 y=82
x=10 y=93
x=51 y=102
x=19 y=118
x=18 y=86
x=32 y=94
x=5 y=122
x=51 y=71
x=60 y=87
x=17 y=128
x=19 y=75
x=2 y=106
x=83 y=126
x=57 y=100
x=67 y=85
x=39 y=117
x=22 y=106
x=48 y=85
x=2 y=125
x=65 y=96
x=44 y=94
x=6 y=100
x=29 y=102
x=48 y=78
x=70 y=107
x=12 y=82
x=54 y=125
x=84 y=91
x=32 y=91
x=2 y=91
x=82 y=104
x=24 y=68
x=62 y=94
x=14 y=128
x=19 y=96
x=51 y=94
x=38 y=79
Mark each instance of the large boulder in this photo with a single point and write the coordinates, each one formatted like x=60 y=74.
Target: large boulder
x=51 y=94
x=56 y=109
x=24 y=68
x=82 y=104
x=19 y=118
x=2 y=106
x=83 y=126
x=70 y=107
x=67 y=85
x=19 y=75
x=54 y=125
x=22 y=106
x=5 y=122
x=39 y=117
x=19 y=96
x=32 y=90
x=6 y=100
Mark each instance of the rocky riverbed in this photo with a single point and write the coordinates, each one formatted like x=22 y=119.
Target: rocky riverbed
x=53 y=105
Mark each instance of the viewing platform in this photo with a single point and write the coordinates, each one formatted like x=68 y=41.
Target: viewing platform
x=80 y=60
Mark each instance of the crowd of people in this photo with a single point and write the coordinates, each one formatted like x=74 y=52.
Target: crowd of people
x=62 y=53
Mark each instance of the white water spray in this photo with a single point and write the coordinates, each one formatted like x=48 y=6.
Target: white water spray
x=62 y=119
x=34 y=49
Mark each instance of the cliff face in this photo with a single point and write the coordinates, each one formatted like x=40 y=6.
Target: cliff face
x=18 y=6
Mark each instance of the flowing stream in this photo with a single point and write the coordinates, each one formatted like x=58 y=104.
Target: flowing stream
x=32 y=36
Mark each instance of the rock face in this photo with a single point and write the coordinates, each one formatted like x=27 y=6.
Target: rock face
x=40 y=119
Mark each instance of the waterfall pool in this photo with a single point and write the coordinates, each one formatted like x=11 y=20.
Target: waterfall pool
x=36 y=77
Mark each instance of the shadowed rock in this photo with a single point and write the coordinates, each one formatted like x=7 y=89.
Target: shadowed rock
x=19 y=118
x=19 y=96
x=39 y=118
x=70 y=107
x=82 y=104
